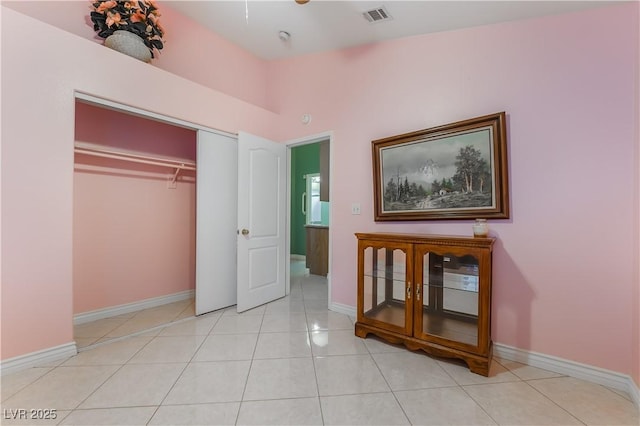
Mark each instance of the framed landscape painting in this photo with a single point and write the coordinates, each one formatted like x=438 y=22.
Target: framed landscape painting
x=454 y=171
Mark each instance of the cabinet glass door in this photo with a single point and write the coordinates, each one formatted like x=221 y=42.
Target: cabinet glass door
x=450 y=290
x=385 y=289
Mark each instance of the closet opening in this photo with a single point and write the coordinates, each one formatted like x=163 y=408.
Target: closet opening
x=134 y=223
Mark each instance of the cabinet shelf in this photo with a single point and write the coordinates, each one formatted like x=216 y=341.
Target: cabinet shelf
x=466 y=290
x=429 y=292
x=389 y=312
x=456 y=329
x=381 y=273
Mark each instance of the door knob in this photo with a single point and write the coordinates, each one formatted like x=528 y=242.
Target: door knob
x=245 y=231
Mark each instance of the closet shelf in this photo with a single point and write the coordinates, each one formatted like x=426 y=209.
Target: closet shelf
x=99 y=151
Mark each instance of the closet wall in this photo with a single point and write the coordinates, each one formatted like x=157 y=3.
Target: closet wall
x=133 y=237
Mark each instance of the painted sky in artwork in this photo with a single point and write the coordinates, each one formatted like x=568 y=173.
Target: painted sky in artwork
x=424 y=161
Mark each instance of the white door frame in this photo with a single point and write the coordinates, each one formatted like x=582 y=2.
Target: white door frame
x=105 y=103
x=306 y=140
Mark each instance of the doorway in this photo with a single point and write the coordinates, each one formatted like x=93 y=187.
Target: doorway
x=310 y=208
x=193 y=128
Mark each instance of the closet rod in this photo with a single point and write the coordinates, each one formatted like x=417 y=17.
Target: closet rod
x=174 y=164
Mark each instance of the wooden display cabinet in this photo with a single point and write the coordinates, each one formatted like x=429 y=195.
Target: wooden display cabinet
x=428 y=292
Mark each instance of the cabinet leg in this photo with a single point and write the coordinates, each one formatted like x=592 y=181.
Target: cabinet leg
x=478 y=367
x=360 y=332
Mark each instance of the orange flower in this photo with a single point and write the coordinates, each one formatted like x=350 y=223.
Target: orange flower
x=137 y=17
x=130 y=5
x=105 y=6
x=113 y=18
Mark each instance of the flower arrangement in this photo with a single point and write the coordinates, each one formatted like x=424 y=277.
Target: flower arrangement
x=136 y=16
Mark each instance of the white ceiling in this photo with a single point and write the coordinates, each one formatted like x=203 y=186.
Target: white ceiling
x=322 y=25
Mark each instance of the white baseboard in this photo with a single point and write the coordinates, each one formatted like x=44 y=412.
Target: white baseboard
x=37 y=358
x=586 y=372
x=131 y=307
x=634 y=392
x=343 y=309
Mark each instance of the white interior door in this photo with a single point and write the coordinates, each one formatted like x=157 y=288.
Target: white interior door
x=216 y=221
x=261 y=221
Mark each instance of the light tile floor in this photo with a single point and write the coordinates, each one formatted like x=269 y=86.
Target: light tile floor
x=291 y=362
x=117 y=327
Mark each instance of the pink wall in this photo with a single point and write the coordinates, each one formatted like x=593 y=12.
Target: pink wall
x=191 y=51
x=565 y=266
x=199 y=55
x=133 y=238
x=37 y=160
x=635 y=338
x=564 y=262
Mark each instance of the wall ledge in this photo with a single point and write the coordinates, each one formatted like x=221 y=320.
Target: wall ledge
x=131 y=307
x=38 y=358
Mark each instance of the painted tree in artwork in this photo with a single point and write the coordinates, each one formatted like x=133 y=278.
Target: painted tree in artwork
x=391 y=191
x=471 y=169
x=484 y=176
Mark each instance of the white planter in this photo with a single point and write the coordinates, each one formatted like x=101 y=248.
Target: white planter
x=129 y=44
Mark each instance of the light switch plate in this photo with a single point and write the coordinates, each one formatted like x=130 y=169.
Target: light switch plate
x=355 y=208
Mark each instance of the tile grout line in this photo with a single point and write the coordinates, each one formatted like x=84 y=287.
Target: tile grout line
x=183 y=370
x=395 y=397
x=76 y=408
x=552 y=401
x=313 y=358
x=246 y=380
x=462 y=387
x=133 y=316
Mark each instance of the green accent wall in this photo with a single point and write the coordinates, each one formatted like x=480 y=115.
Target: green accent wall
x=305 y=159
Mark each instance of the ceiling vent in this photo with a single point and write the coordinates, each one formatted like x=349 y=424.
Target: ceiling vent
x=378 y=14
